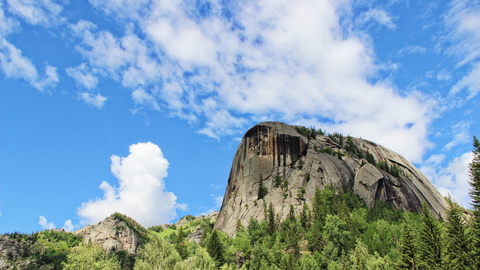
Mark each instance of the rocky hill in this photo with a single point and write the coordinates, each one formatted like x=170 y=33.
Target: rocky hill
x=285 y=164
x=116 y=232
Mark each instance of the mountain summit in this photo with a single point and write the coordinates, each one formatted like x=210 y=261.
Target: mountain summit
x=284 y=165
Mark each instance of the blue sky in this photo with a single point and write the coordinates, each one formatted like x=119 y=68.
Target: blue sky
x=138 y=106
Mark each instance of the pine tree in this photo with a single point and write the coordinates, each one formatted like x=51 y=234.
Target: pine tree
x=407 y=249
x=430 y=248
x=475 y=195
x=181 y=245
x=271 y=220
x=457 y=256
x=215 y=248
x=239 y=228
x=304 y=219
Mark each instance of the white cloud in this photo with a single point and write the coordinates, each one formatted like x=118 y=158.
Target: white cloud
x=380 y=16
x=7 y=24
x=68 y=226
x=36 y=12
x=17 y=66
x=290 y=61
x=140 y=97
x=413 y=50
x=45 y=224
x=95 y=100
x=141 y=191
x=83 y=76
x=452 y=179
x=461 y=135
x=49 y=81
x=463 y=21
x=218 y=203
x=14 y=64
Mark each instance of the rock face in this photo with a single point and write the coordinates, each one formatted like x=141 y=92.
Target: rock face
x=110 y=233
x=291 y=166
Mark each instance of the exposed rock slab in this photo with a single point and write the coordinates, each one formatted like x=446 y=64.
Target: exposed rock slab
x=111 y=234
x=271 y=151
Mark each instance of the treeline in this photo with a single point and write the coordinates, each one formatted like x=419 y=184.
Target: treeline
x=337 y=232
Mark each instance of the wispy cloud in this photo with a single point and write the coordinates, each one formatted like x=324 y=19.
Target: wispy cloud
x=36 y=12
x=461 y=135
x=463 y=22
x=17 y=66
x=376 y=15
x=141 y=190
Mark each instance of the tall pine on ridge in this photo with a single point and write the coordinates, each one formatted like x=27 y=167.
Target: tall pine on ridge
x=475 y=195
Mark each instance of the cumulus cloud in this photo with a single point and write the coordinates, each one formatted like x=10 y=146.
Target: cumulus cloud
x=223 y=66
x=95 y=100
x=141 y=192
x=452 y=179
x=68 y=226
x=45 y=224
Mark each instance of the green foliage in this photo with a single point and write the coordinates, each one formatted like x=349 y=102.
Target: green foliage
x=90 y=257
x=370 y=158
x=408 y=249
x=327 y=150
x=157 y=228
x=262 y=190
x=133 y=225
x=430 y=247
x=475 y=195
x=157 y=254
x=310 y=133
x=301 y=194
x=277 y=181
x=181 y=245
x=458 y=241
x=215 y=248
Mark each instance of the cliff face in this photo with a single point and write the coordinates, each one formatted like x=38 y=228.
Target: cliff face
x=291 y=166
x=110 y=233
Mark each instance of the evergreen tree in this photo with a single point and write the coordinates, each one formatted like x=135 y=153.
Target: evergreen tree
x=181 y=245
x=262 y=190
x=430 y=248
x=304 y=218
x=271 y=220
x=239 y=228
x=457 y=256
x=407 y=249
x=215 y=248
x=475 y=195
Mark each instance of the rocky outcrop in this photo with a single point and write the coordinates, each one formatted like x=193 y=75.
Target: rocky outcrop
x=111 y=234
x=291 y=166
